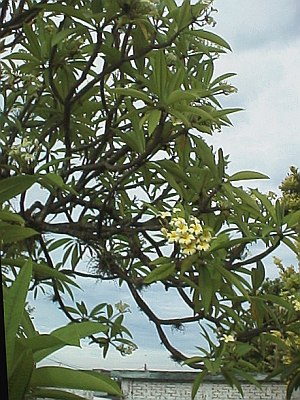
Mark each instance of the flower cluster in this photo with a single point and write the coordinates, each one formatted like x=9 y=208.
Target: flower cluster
x=292 y=341
x=126 y=350
x=190 y=235
x=25 y=150
x=140 y=8
x=288 y=287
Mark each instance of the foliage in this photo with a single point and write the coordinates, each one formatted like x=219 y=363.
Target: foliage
x=280 y=350
x=104 y=111
x=290 y=188
x=26 y=347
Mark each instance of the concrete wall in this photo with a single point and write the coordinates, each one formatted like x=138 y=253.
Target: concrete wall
x=160 y=385
x=145 y=390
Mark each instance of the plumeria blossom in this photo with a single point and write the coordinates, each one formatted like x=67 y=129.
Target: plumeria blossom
x=122 y=307
x=189 y=233
x=25 y=151
x=296 y=304
x=165 y=214
x=126 y=349
x=206 y=236
x=186 y=238
x=176 y=210
x=228 y=338
x=189 y=249
x=196 y=229
x=202 y=245
x=173 y=237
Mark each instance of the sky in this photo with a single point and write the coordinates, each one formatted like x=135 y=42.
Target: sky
x=265 y=40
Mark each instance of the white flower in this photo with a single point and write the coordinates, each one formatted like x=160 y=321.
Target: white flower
x=202 y=245
x=228 y=338
x=26 y=142
x=207 y=2
x=164 y=231
x=164 y=214
x=180 y=225
x=206 y=236
x=186 y=238
x=196 y=229
x=122 y=307
x=126 y=350
x=173 y=237
x=28 y=157
x=296 y=304
x=190 y=249
x=176 y=210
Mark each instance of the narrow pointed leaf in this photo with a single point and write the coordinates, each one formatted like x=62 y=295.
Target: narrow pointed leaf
x=60 y=377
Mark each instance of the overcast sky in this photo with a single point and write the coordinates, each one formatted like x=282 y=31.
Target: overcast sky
x=265 y=39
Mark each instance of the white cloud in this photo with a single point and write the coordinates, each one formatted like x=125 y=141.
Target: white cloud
x=247 y=24
x=265 y=136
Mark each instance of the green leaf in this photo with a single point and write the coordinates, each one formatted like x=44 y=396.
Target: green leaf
x=18 y=381
x=153 y=120
x=278 y=300
x=222 y=78
x=250 y=378
x=206 y=288
x=51 y=163
x=60 y=35
x=160 y=74
x=160 y=273
x=41 y=342
x=292 y=219
x=246 y=199
x=55 y=181
x=257 y=275
x=6 y=215
x=281 y=343
x=226 y=244
x=181 y=95
x=246 y=175
x=266 y=203
x=171 y=4
x=41 y=271
x=59 y=377
x=211 y=37
x=197 y=382
x=82 y=14
x=199 y=111
x=233 y=279
x=27 y=325
x=231 y=380
x=13 y=233
x=11 y=187
x=55 y=394
x=14 y=304
x=71 y=335
x=128 y=92
x=187 y=263
x=171 y=180
x=174 y=169
x=293 y=384
x=205 y=154
x=34 y=45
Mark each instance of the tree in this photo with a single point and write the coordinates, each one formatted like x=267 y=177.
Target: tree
x=278 y=351
x=105 y=109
